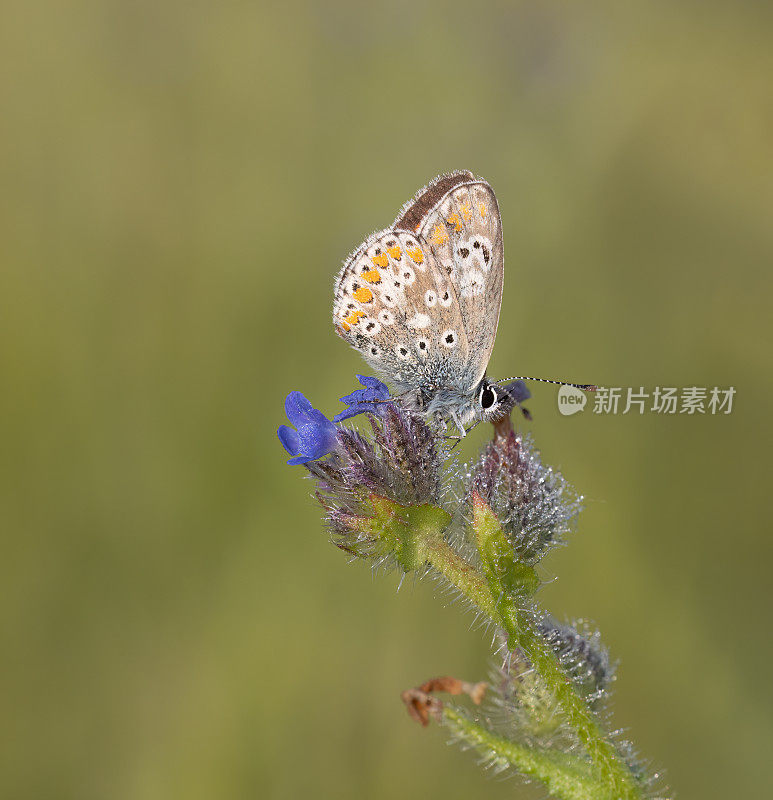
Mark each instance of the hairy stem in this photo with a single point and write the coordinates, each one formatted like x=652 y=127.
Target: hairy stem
x=521 y=632
x=565 y=776
x=613 y=771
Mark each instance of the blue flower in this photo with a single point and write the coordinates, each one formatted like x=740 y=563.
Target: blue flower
x=315 y=435
x=368 y=400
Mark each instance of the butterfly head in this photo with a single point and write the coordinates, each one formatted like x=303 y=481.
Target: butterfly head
x=494 y=401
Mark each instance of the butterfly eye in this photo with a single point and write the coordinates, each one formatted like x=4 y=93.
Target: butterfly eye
x=487 y=397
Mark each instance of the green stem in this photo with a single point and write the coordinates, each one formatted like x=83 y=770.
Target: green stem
x=613 y=772
x=518 y=625
x=565 y=776
x=463 y=575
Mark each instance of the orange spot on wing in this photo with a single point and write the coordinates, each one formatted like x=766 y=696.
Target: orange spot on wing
x=395 y=252
x=483 y=210
x=455 y=220
x=372 y=276
x=417 y=255
x=345 y=325
x=439 y=236
x=380 y=260
x=363 y=295
x=466 y=210
x=354 y=317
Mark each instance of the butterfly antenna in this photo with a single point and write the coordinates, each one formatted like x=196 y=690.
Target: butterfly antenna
x=586 y=387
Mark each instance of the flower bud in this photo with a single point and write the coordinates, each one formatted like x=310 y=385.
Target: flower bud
x=534 y=503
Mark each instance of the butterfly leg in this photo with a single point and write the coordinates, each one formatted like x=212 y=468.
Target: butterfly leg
x=459 y=425
x=442 y=426
x=411 y=400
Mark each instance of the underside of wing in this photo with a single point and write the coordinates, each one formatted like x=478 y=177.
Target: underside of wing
x=420 y=301
x=463 y=232
x=397 y=307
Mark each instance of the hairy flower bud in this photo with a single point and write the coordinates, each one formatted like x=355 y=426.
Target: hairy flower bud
x=581 y=653
x=400 y=463
x=534 y=503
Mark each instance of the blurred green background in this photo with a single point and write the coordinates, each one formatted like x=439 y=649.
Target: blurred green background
x=179 y=184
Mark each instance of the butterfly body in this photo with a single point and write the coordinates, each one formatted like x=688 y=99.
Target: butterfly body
x=420 y=300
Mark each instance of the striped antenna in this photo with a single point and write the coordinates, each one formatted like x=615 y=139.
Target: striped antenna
x=586 y=387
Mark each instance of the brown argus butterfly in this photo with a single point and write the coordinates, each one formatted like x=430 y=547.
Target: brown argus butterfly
x=420 y=301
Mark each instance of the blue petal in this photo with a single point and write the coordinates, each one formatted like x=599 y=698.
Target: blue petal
x=357 y=396
x=317 y=440
x=368 y=400
x=369 y=381
x=289 y=439
x=297 y=408
x=348 y=413
x=316 y=435
x=299 y=460
x=315 y=417
x=377 y=388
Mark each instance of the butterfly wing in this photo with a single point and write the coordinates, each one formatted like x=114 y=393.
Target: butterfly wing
x=457 y=219
x=421 y=300
x=396 y=306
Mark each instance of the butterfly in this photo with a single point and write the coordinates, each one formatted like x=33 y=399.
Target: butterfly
x=420 y=301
